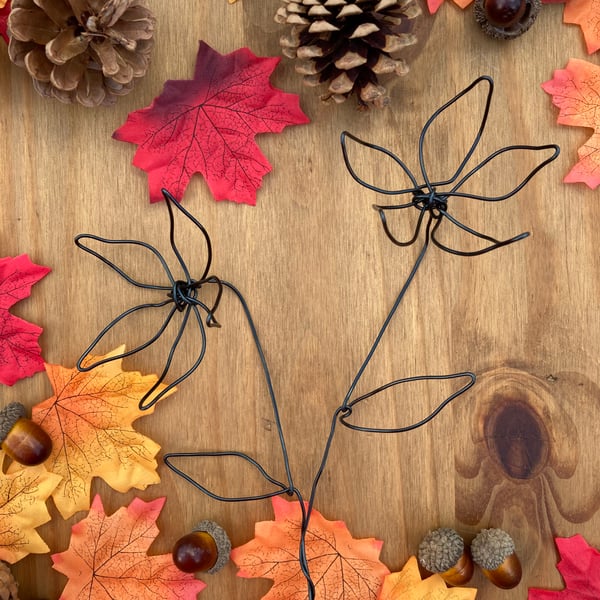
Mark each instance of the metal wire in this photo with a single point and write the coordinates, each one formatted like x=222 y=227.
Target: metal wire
x=181 y=297
x=428 y=198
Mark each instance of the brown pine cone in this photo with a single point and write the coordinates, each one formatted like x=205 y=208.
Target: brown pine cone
x=8 y=585
x=86 y=51
x=349 y=45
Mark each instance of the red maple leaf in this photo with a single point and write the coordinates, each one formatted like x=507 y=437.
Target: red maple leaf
x=4 y=12
x=207 y=125
x=576 y=91
x=341 y=567
x=20 y=353
x=580 y=568
x=107 y=560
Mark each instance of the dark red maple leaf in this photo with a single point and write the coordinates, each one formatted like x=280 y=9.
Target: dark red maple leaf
x=207 y=125
x=20 y=354
x=4 y=12
x=580 y=568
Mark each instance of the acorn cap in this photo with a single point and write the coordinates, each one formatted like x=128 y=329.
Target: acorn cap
x=9 y=415
x=440 y=550
x=491 y=547
x=507 y=33
x=221 y=540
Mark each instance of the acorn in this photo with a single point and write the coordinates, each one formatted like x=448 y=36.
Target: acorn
x=205 y=550
x=506 y=19
x=443 y=551
x=21 y=438
x=494 y=551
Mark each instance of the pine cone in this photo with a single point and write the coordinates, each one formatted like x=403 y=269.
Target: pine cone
x=8 y=585
x=351 y=45
x=86 y=51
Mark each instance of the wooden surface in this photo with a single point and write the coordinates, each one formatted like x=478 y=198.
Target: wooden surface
x=518 y=452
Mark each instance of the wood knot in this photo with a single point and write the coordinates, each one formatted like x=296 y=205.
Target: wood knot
x=516 y=438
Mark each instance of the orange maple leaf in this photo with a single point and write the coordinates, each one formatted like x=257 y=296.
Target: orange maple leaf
x=341 y=567
x=576 y=91
x=586 y=14
x=433 y=5
x=407 y=585
x=90 y=422
x=23 y=495
x=107 y=560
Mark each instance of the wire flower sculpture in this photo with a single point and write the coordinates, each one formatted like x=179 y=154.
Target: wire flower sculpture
x=182 y=296
x=430 y=198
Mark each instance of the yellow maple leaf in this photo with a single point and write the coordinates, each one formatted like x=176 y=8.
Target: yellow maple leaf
x=397 y=583
x=407 y=585
x=23 y=495
x=89 y=420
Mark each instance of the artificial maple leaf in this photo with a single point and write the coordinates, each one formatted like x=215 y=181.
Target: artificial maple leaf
x=207 y=125
x=586 y=14
x=580 y=568
x=107 y=560
x=576 y=91
x=20 y=353
x=4 y=12
x=341 y=567
x=89 y=421
x=397 y=583
x=433 y=5
x=23 y=495
x=407 y=585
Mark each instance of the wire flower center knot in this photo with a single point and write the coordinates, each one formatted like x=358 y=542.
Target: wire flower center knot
x=432 y=202
x=184 y=293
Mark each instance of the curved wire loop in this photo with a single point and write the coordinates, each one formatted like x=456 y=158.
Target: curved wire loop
x=349 y=408
x=281 y=488
x=181 y=296
x=428 y=197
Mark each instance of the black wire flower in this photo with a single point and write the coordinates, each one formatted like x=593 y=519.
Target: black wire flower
x=181 y=297
x=431 y=198
x=431 y=202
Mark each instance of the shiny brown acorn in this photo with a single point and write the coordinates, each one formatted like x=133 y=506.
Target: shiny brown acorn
x=461 y=572
x=504 y=13
x=195 y=552
x=493 y=551
x=204 y=550
x=443 y=551
x=506 y=19
x=22 y=439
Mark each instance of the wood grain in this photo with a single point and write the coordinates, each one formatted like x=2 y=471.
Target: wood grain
x=518 y=451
